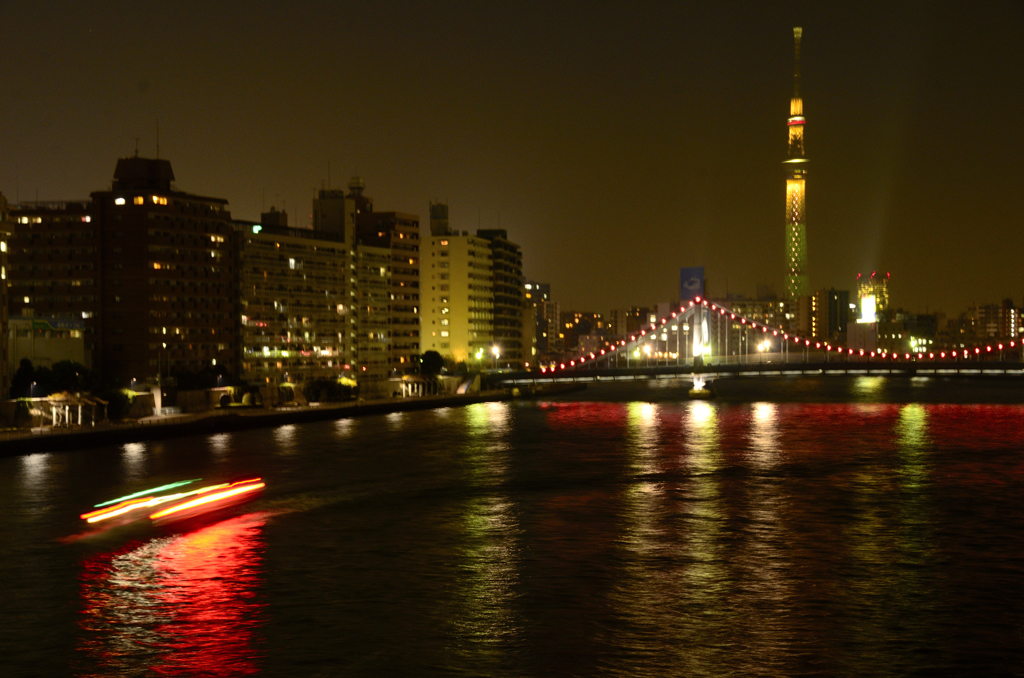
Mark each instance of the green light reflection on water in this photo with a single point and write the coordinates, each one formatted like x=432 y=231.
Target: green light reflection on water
x=486 y=624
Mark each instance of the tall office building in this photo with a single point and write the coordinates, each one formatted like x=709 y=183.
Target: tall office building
x=873 y=295
x=796 y=186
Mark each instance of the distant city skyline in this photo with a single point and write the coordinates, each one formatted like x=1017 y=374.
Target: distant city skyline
x=615 y=146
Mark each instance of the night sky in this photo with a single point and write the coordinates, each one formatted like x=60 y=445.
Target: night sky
x=616 y=142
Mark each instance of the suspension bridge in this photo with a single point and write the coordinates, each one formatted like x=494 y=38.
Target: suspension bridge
x=707 y=341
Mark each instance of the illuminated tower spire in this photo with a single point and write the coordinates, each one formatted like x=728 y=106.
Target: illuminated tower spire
x=796 y=184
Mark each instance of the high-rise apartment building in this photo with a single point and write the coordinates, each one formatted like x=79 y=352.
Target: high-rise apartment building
x=509 y=298
x=151 y=270
x=458 y=291
x=476 y=298
x=796 y=190
x=399 y=233
x=374 y=309
x=298 y=315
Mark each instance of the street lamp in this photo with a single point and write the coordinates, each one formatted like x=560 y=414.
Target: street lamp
x=32 y=390
x=497 y=354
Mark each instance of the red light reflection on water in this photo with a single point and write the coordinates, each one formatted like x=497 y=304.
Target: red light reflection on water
x=181 y=605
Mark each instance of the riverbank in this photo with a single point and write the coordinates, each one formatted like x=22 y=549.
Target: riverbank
x=238 y=419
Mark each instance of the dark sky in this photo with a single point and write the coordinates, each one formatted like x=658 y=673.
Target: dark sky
x=616 y=142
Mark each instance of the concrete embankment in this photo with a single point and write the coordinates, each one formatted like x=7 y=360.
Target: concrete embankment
x=232 y=419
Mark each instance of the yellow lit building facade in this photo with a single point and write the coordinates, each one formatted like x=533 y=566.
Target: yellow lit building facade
x=458 y=298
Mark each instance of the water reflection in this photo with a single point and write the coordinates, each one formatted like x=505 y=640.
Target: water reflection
x=764 y=436
x=220 y=443
x=394 y=420
x=34 y=468
x=868 y=387
x=343 y=428
x=284 y=436
x=133 y=460
x=181 y=605
x=486 y=622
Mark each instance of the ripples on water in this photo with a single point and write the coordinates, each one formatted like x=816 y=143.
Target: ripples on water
x=648 y=537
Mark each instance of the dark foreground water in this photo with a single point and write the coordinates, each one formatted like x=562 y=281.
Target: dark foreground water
x=633 y=534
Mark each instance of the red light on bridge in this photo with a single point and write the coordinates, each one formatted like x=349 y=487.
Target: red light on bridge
x=931 y=356
x=713 y=307
x=602 y=351
x=988 y=349
x=572 y=363
x=817 y=344
x=862 y=351
x=562 y=366
x=942 y=355
x=977 y=351
x=582 y=360
x=851 y=351
x=920 y=356
x=907 y=356
x=775 y=333
x=697 y=299
x=872 y=354
x=1000 y=347
x=632 y=338
x=732 y=316
x=1012 y=344
x=743 y=321
x=807 y=342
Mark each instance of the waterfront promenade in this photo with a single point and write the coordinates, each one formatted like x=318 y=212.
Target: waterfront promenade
x=47 y=439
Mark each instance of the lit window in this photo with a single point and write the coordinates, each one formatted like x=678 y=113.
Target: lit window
x=139 y=200
x=27 y=300
x=118 y=201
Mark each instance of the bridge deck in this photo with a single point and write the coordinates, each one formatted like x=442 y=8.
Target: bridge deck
x=713 y=371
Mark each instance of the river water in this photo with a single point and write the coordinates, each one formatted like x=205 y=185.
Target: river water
x=844 y=527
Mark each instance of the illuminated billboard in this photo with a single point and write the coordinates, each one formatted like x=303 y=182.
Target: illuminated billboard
x=691 y=283
x=867 y=309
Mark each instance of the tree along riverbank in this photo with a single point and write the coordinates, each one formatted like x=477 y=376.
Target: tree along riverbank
x=237 y=419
